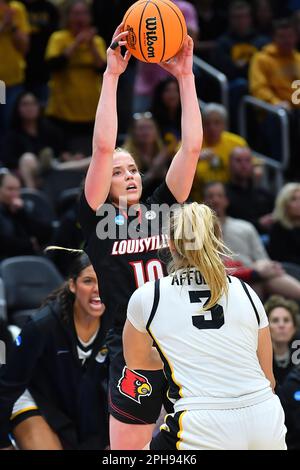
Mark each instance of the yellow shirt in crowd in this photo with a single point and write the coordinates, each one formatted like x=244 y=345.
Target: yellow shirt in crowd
x=12 y=62
x=271 y=75
x=217 y=167
x=75 y=89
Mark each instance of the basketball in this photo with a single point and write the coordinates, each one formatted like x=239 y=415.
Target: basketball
x=156 y=28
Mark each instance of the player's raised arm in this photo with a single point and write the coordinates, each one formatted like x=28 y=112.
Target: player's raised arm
x=182 y=170
x=99 y=174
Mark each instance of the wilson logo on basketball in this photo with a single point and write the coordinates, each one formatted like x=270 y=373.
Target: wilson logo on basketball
x=134 y=386
x=131 y=38
x=151 y=37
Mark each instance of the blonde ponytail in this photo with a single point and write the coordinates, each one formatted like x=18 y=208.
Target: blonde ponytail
x=196 y=238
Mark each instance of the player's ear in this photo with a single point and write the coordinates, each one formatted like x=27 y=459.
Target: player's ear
x=72 y=286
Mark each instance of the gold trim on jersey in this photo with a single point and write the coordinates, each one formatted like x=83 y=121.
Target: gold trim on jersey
x=23 y=410
x=169 y=364
x=179 y=434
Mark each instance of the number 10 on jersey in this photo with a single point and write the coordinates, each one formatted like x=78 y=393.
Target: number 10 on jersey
x=146 y=271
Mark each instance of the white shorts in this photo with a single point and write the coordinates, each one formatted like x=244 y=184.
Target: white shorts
x=257 y=427
x=25 y=405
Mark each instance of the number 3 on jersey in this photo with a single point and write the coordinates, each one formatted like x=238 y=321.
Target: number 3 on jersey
x=149 y=271
x=212 y=319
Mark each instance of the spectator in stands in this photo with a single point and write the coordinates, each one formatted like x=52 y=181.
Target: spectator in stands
x=248 y=251
x=236 y=48
x=290 y=399
x=272 y=73
x=107 y=14
x=217 y=146
x=212 y=24
x=247 y=200
x=285 y=234
x=148 y=76
x=29 y=136
x=274 y=69
x=152 y=156
x=43 y=19
x=76 y=56
x=283 y=316
x=234 y=52
x=166 y=110
x=20 y=234
x=53 y=388
x=263 y=17
x=14 y=43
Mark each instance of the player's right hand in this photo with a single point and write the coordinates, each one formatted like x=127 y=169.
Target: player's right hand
x=116 y=62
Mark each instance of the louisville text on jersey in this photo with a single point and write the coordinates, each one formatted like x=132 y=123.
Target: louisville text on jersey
x=140 y=245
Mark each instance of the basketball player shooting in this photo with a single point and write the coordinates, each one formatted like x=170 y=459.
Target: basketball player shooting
x=135 y=402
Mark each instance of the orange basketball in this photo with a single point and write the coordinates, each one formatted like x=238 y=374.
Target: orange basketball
x=156 y=28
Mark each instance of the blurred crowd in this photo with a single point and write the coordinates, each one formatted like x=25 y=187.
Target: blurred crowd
x=53 y=55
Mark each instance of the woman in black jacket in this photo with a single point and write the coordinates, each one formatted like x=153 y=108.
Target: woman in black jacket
x=53 y=388
x=284 y=243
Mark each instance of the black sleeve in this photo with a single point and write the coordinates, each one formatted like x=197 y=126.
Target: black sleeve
x=162 y=195
x=278 y=243
x=86 y=216
x=16 y=374
x=288 y=394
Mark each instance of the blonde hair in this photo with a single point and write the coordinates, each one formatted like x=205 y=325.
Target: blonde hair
x=122 y=150
x=280 y=213
x=203 y=250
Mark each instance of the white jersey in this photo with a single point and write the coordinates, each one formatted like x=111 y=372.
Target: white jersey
x=210 y=357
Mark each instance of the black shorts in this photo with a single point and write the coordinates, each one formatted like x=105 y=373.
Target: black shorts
x=134 y=397
x=169 y=435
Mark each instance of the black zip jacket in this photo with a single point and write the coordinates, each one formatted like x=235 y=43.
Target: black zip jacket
x=72 y=397
x=289 y=394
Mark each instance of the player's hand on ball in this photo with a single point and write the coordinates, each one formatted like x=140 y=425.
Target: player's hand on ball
x=182 y=63
x=116 y=62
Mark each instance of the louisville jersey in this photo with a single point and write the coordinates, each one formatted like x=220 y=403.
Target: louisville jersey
x=124 y=261
x=209 y=357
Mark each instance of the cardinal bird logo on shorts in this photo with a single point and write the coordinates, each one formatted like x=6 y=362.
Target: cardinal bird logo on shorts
x=134 y=386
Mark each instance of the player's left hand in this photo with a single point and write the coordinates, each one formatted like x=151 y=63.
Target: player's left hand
x=182 y=63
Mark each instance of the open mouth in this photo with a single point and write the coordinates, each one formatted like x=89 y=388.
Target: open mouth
x=131 y=187
x=95 y=302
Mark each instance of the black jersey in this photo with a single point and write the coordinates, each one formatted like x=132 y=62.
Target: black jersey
x=124 y=261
